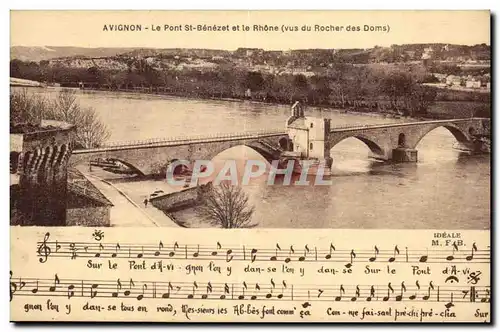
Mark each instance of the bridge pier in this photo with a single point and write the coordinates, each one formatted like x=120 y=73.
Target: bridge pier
x=404 y=155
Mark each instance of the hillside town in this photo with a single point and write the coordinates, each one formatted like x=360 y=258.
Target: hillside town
x=400 y=79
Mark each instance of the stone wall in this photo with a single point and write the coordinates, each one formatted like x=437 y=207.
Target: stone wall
x=179 y=200
x=96 y=216
x=41 y=164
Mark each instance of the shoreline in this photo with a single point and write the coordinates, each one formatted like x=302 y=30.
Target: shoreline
x=326 y=107
x=330 y=108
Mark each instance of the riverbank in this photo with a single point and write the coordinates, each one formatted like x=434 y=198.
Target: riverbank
x=445 y=109
x=347 y=110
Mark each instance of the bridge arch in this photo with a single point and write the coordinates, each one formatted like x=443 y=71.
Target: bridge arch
x=254 y=146
x=370 y=143
x=458 y=133
x=285 y=143
x=129 y=165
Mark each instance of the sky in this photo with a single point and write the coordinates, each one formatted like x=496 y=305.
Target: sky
x=85 y=28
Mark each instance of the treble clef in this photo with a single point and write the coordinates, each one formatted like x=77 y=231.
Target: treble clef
x=13 y=287
x=44 y=249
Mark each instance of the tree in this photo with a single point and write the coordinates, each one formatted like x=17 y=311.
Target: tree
x=90 y=131
x=226 y=206
x=254 y=81
x=397 y=86
x=26 y=109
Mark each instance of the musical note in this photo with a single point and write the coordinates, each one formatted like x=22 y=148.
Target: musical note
x=117 y=247
x=389 y=291
x=242 y=296
x=160 y=247
x=341 y=292
x=73 y=250
x=275 y=257
x=414 y=296
x=214 y=253
x=486 y=298
x=357 y=294
x=332 y=249
x=257 y=288
x=471 y=256
x=118 y=288
x=197 y=253
x=423 y=258
x=352 y=255
x=306 y=251
x=374 y=258
x=129 y=290
x=101 y=248
x=71 y=291
x=396 y=252
x=428 y=296
x=56 y=282
x=229 y=257
x=403 y=290
x=450 y=304
x=253 y=255
x=141 y=254
x=174 y=249
x=452 y=256
x=35 y=289
x=44 y=249
x=280 y=295
x=167 y=294
x=226 y=292
x=93 y=290
x=290 y=252
x=141 y=296
x=372 y=294
x=209 y=290
x=195 y=287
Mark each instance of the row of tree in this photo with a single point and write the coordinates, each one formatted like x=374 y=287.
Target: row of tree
x=343 y=86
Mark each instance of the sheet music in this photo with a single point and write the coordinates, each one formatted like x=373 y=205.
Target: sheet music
x=354 y=275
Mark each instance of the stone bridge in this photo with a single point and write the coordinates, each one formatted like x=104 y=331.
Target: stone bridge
x=396 y=141
x=383 y=139
x=150 y=156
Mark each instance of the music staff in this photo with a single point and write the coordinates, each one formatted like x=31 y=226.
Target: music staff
x=273 y=290
x=176 y=251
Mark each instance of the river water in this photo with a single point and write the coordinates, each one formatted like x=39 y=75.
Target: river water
x=444 y=190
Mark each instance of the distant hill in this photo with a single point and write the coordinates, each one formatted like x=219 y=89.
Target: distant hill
x=38 y=53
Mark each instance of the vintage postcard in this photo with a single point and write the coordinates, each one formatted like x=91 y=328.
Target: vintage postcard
x=250 y=166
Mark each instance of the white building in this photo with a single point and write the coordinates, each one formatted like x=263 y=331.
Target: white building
x=308 y=134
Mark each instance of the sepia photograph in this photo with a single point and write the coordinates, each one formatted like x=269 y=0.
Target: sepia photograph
x=375 y=132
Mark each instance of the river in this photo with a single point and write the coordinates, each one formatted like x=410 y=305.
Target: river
x=444 y=190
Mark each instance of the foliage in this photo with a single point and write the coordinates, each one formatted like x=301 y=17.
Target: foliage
x=373 y=87
x=26 y=109
x=31 y=108
x=226 y=206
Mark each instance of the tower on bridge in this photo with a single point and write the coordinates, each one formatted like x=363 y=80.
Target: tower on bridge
x=308 y=135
